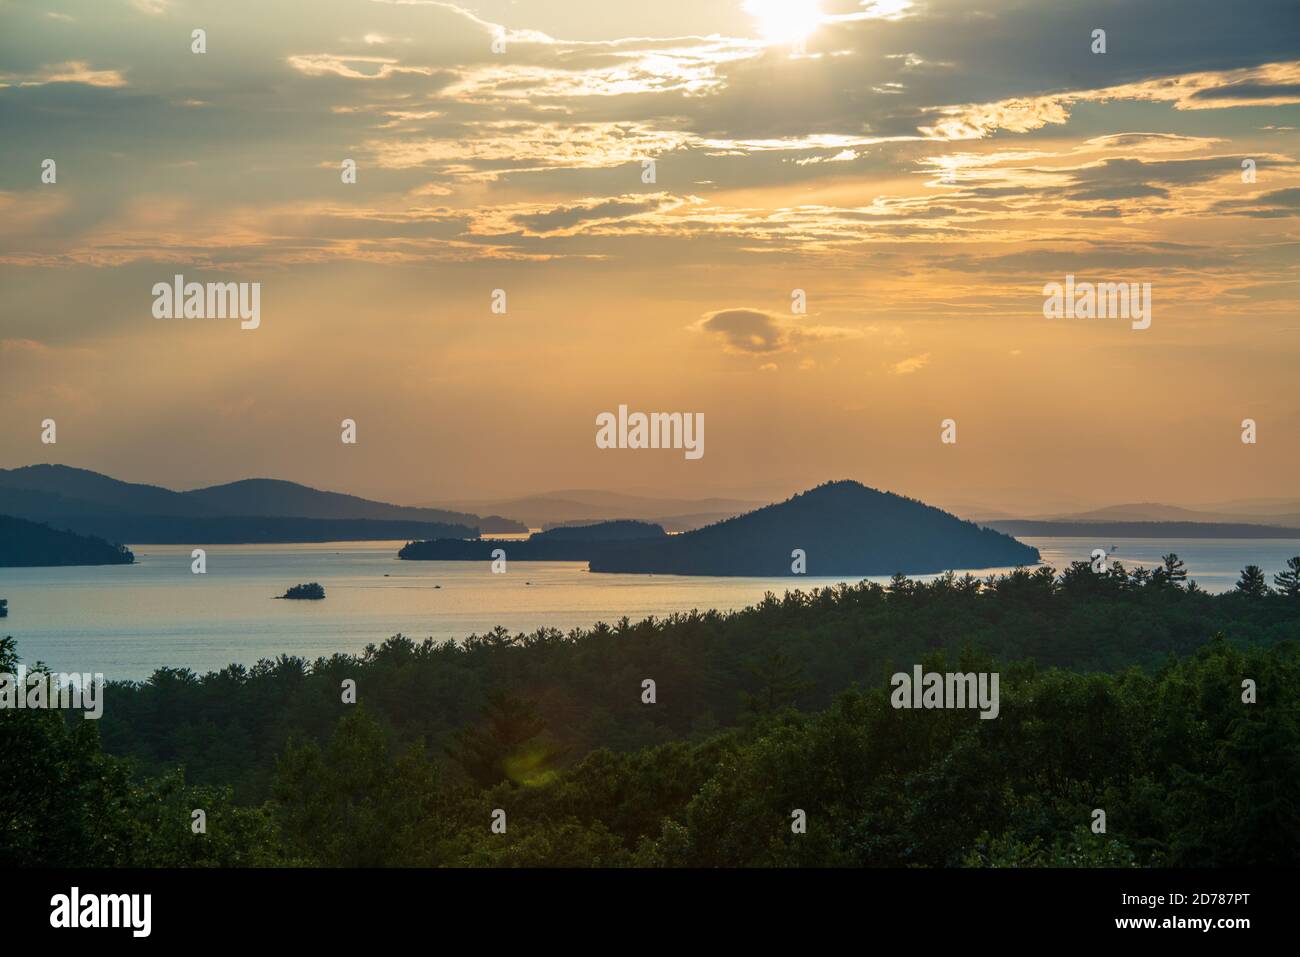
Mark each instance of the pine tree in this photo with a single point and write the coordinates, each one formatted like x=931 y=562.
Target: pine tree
x=779 y=683
x=509 y=743
x=1173 y=573
x=1288 y=582
x=1252 y=582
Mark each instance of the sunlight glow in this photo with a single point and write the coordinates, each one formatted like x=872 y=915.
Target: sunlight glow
x=785 y=21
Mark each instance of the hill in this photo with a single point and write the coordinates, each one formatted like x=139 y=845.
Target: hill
x=60 y=486
x=253 y=510
x=274 y=497
x=844 y=528
x=25 y=544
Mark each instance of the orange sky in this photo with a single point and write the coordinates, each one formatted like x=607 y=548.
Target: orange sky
x=920 y=172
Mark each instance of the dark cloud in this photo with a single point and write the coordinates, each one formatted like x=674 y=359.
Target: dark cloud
x=1278 y=204
x=754 y=332
x=1250 y=91
x=566 y=217
x=746 y=330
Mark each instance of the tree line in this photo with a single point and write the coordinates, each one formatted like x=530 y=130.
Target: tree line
x=1120 y=692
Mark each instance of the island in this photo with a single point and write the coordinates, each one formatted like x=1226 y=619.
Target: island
x=25 y=544
x=311 y=592
x=566 y=543
x=838 y=529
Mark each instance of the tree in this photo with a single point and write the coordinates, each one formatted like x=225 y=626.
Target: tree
x=900 y=586
x=507 y=745
x=779 y=683
x=1252 y=583
x=351 y=805
x=1171 y=574
x=1288 y=582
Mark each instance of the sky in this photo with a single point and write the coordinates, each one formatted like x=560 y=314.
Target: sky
x=919 y=171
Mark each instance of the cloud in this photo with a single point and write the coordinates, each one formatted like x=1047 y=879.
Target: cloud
x=72 y=71
x=23 y=345
x=488 y=150
x=1276 y=204
x=754 y=332
x=353 y=67
x=562 y=218
x=908 y=366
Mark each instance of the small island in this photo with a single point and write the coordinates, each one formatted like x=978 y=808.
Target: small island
x=314 y=592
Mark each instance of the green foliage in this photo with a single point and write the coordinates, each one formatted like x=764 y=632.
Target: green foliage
x=67 y=804
x=1252 y=583
x=713 y=670
x=1148 y=724
x=1287 y=582
x=507 y=745
x=350 y=805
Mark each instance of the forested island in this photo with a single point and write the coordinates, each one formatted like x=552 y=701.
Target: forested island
x=837 y=529
x=313 y=591
x=25 y=544
x=1118 y=690
x=569 y=543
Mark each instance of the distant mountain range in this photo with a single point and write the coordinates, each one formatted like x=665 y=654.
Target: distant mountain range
x=1094 y=529
x=25 y=544
x=270 y=511
x=842 y=528
x=592 y=506
x=1283 y=513
x=1271 y=518
x=253 y=510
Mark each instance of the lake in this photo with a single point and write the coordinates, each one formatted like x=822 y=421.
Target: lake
x=127 y=620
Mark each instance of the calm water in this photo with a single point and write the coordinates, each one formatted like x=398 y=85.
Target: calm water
x=127 y=620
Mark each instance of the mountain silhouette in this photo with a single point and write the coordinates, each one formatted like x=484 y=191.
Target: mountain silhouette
x=274 y=497
x=254 y=510
x=844 y=528
x=592 y=506
x=26 y=544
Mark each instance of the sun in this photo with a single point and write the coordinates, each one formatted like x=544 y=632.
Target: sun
x=785 y=21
